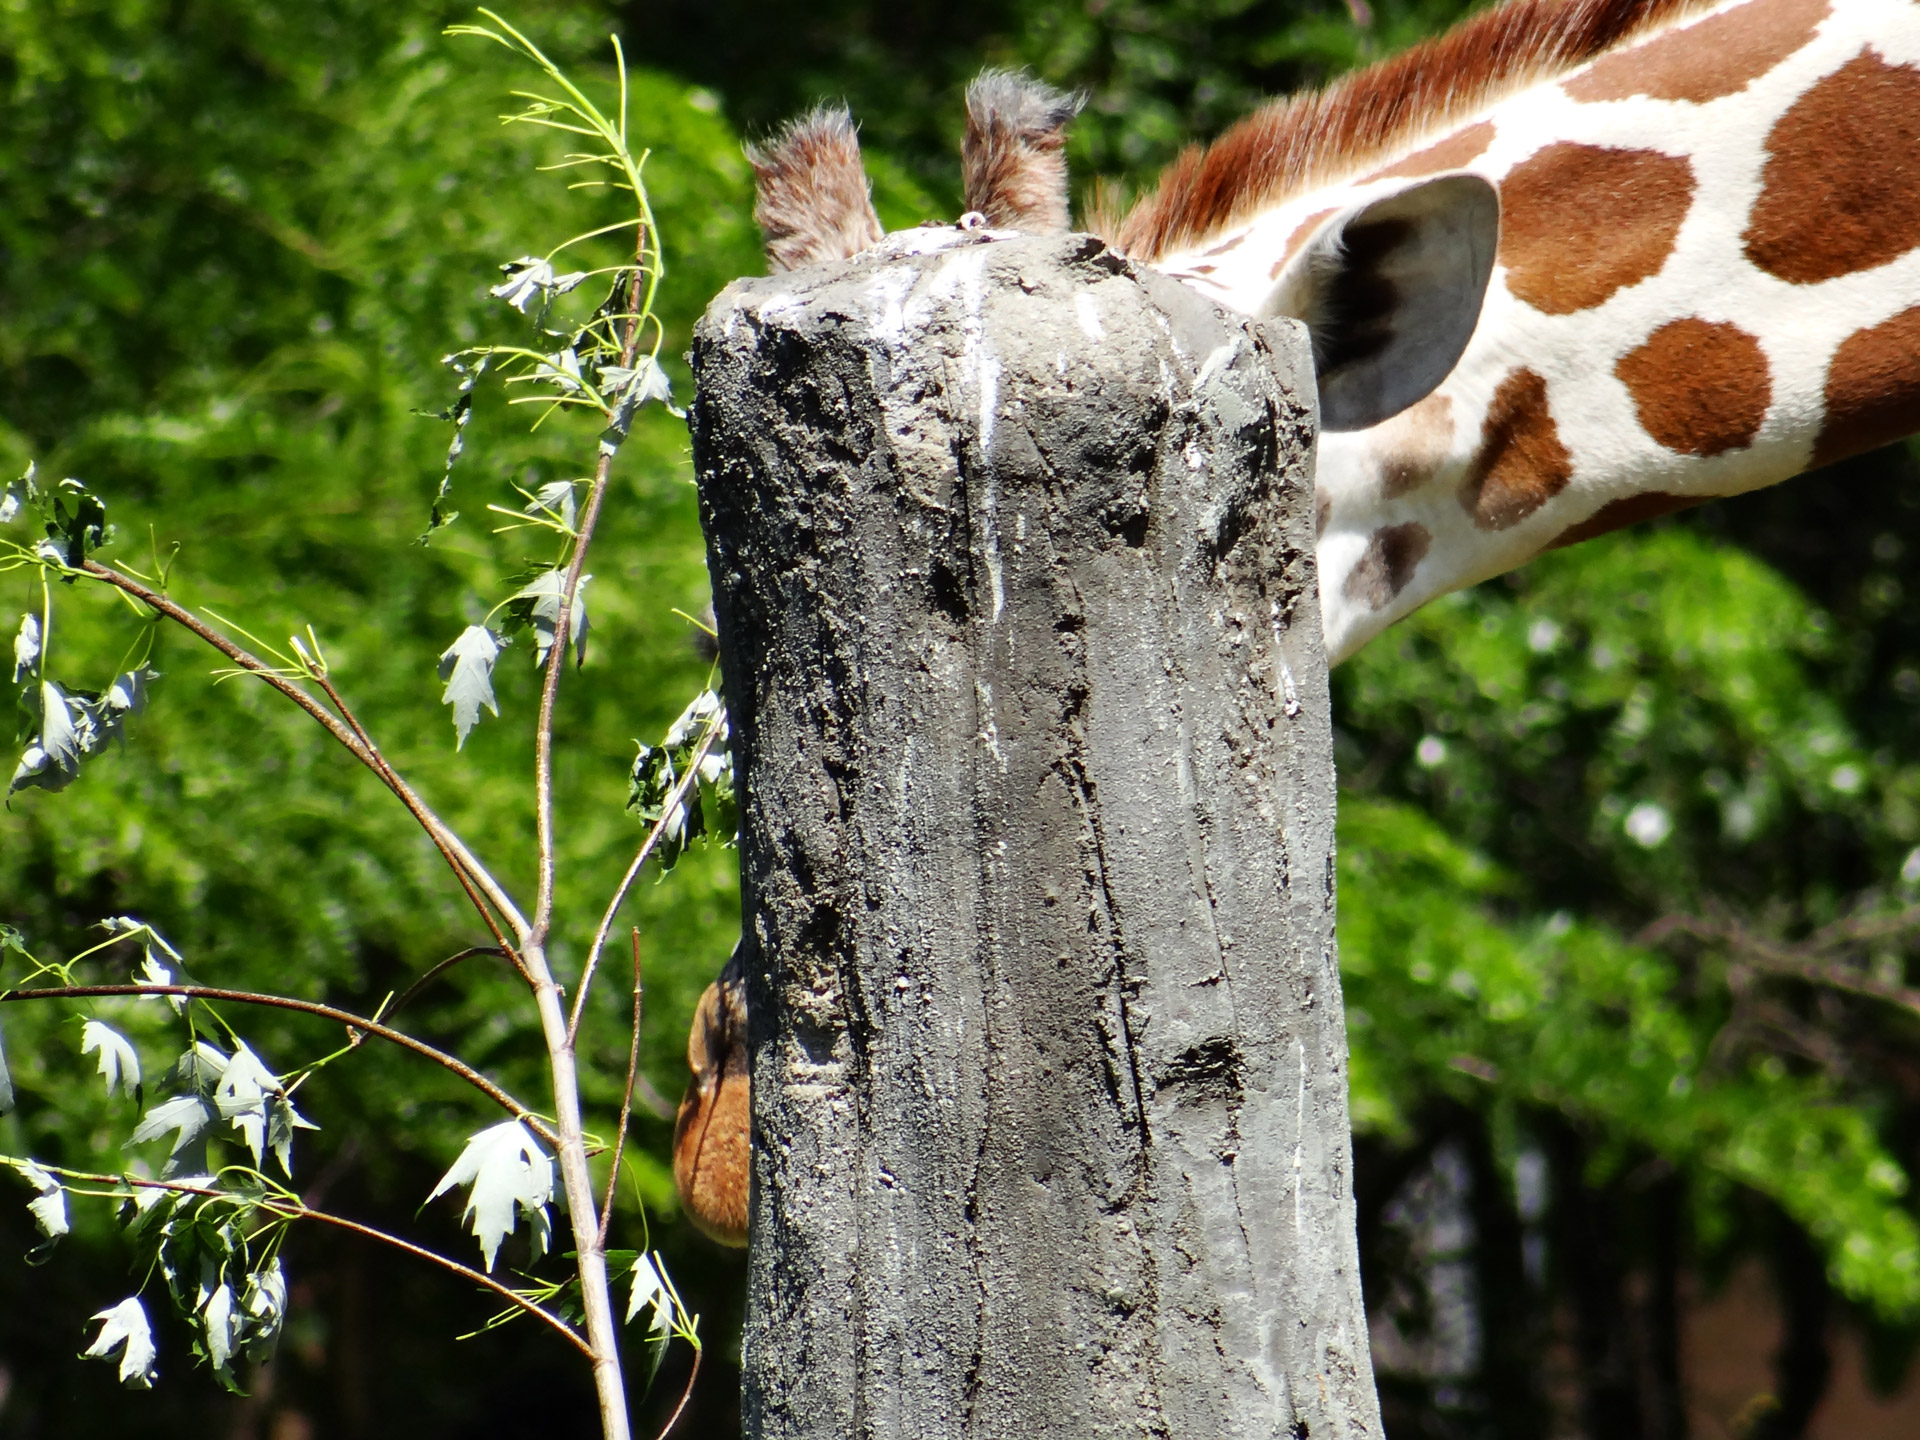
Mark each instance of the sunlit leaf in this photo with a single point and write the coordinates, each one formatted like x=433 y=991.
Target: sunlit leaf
x=507 y=1172
x=537 y=605
x=530 y=280
x=125 y=1328
x=467 y=667
x=49 y=1205
x=119 y=1062
x=187 y=1117
x=26 y=647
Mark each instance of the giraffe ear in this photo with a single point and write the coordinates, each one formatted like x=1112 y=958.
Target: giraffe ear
x=1390 y=292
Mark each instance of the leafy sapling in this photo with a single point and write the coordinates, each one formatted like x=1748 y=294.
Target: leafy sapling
x=211 y=1222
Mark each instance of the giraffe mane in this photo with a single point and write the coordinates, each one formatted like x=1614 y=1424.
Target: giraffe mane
x=1302 y=141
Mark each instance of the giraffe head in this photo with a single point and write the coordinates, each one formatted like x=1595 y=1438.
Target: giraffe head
x=1389 y=283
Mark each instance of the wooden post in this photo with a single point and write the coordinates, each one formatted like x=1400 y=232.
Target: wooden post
x=1012 y=553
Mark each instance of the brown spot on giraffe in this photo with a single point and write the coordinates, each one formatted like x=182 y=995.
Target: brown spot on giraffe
x=1415 y=442
x=1704 y=61
x=1558 y=259
x=1301 y=234
x=1387 y=564
x=1448 y=154
x=1521 y=463
x=1701 y=387
x=1873 y=389
x=1840 y=191
x=1618 y=514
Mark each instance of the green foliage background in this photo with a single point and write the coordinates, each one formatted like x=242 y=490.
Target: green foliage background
x=235 y=239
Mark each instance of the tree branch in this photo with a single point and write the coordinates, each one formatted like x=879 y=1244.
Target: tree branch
x=437 y=971
x=685 y=1396
x=305 y=1007
x=466 y=1272
x=449 y=844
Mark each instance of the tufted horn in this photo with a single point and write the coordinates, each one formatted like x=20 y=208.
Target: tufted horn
x=1015 y=171
x=813 y=203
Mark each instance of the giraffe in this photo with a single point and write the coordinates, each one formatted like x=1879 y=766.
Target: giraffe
x=1571 y=265
x=1651 y=254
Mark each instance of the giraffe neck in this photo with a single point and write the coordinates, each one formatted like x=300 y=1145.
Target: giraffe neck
x=1707 y=280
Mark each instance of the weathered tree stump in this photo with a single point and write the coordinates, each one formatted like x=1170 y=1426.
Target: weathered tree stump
x=1012 y=553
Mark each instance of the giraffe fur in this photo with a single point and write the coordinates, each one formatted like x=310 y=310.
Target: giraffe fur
x=1707 y=281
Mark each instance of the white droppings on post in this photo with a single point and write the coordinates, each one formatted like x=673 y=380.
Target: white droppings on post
x=1300 y=1142
x=1222 y=355
x=889 y=291
x=1087 y=312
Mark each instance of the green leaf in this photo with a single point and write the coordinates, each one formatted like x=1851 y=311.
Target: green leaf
x=77 y=521
x=48 y=1207
x=536 y=606
x=530 y=279
x=460 y=412
x=52 y=760
x=220 y=1333
x=467 y=667
x=649 y=1289
x=555 y=499
x=188 y=1118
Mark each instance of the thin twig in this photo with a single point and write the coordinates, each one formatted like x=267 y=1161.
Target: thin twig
x=435 y=973
x=449 y=844
x=305 y=1007
x=626 y=1098
x=685 y=1395
x=1807 y=961
x=675 y=799
x=391 y=778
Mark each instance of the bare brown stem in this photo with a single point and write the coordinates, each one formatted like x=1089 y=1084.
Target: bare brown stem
x=436 y=972
x=464 y=1271
x=685 y=1396
x=305 y=1007
x=626 y=1098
